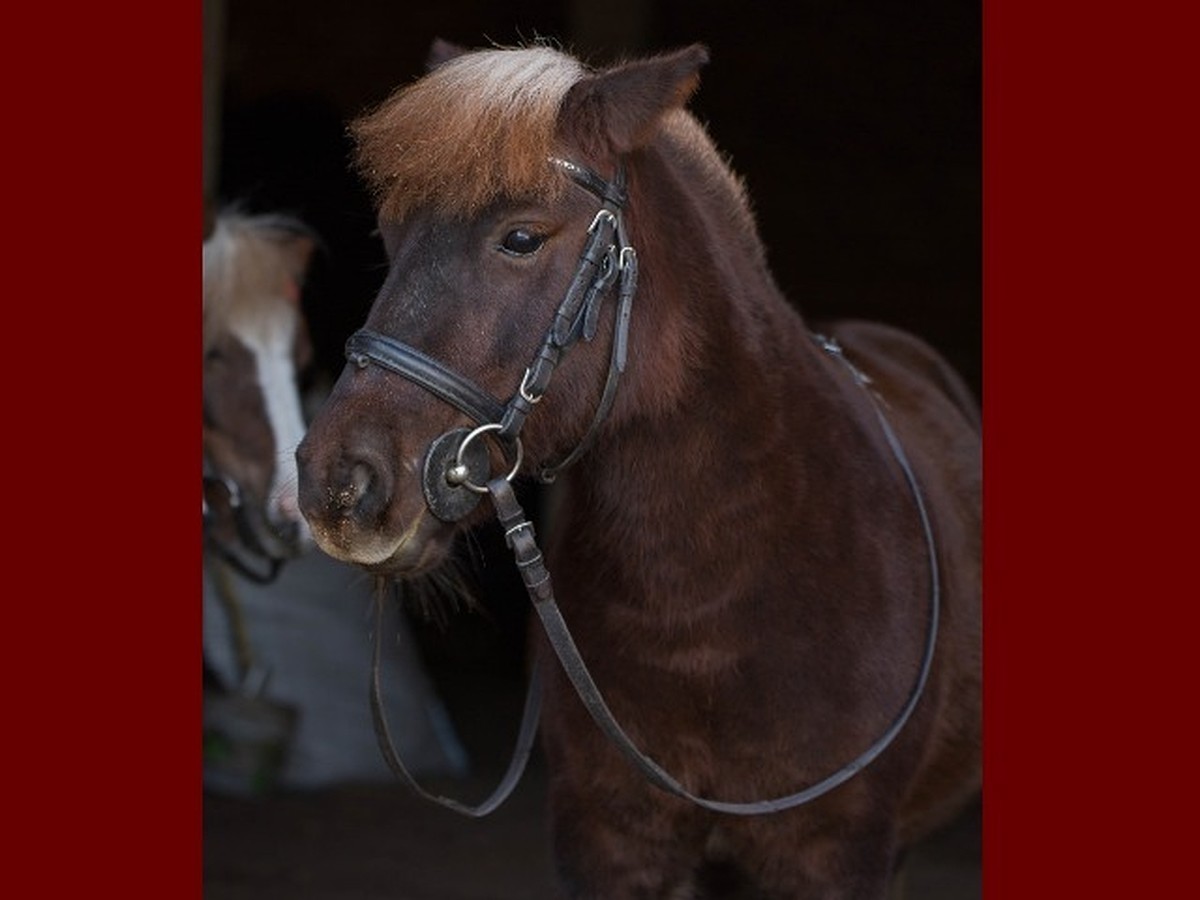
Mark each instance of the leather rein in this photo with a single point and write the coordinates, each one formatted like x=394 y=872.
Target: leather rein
x=456 y=463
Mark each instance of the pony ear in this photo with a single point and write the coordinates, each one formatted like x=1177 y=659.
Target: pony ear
x=441 y=51
x=298 y=250
x=627 y=101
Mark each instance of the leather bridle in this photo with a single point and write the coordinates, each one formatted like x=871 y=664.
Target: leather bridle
x=455 y=463
x=456 y=466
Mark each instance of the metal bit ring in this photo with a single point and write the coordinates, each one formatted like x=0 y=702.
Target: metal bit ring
x=461 y=466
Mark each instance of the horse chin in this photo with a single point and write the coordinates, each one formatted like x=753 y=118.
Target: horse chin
x=410 y=554
x=402 y=567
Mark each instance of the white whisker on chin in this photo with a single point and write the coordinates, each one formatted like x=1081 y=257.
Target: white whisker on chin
x=439 y=594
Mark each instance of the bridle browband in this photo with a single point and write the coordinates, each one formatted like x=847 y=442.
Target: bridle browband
x=454 y=463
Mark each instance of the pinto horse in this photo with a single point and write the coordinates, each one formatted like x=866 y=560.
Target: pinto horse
x=256 y=345
x=761 y=654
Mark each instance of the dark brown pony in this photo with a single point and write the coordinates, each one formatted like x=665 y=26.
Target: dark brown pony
x=767 y=543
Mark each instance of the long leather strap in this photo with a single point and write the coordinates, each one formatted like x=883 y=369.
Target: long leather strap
x=522 y=540
x=519 y=534
x=516 y=766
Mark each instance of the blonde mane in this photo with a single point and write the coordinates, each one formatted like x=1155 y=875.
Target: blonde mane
x=249 y=277
x=441 y=139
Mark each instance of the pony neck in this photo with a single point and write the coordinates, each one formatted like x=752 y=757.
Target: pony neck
x=722 y=376
x=712 y=334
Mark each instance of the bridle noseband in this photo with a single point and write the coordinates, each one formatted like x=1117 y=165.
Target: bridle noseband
x=455 y=469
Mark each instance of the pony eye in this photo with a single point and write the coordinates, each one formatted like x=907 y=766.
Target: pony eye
x=520 y=242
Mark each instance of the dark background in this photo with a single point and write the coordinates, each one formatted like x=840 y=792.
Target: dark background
x=856 y=126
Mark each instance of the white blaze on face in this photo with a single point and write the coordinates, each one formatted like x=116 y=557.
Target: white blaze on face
x=272 y=341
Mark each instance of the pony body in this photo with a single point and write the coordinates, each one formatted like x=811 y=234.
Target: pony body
x=737 y=556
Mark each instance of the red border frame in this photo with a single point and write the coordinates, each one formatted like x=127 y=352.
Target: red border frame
x=1086 y=231
x=103 y=142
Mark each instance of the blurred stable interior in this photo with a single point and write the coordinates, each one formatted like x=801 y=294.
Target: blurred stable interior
x=856 y=127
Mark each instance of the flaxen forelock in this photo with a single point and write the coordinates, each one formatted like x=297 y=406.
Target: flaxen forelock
x=479 y=126
x=245 y=275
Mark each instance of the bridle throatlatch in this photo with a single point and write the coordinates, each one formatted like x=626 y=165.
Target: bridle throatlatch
x=456 y=464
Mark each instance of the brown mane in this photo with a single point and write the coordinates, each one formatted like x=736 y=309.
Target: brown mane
x=439 y=139
x=692 y=149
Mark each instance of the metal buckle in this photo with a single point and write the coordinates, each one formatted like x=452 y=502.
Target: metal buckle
x=523 y=390
x=603 y=213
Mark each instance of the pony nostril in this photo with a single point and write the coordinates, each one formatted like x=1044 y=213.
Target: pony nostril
x=356 y=487
x=362 y=492
x=360 y=479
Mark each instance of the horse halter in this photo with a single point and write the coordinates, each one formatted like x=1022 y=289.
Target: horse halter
x=456 y=465
x=245 y=519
